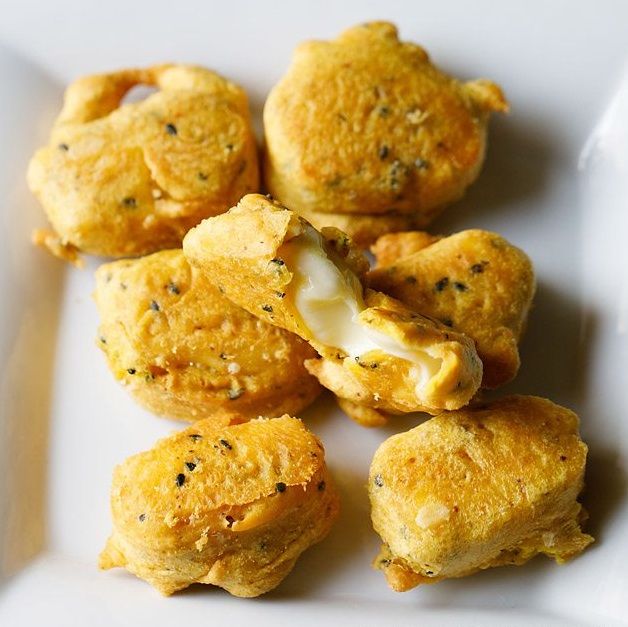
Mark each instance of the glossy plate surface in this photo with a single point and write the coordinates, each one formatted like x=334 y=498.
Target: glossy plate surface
x=555 y=183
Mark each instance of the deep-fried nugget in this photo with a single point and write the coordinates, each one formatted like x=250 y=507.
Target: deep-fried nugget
x=477 y=488
x=232 y=506
x=128 y=179
x=365 y=125
x=474 y=281
x=375 y=352
x=187 y=352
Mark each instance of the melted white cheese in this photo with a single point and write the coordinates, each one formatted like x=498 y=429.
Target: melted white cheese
x=329 y=300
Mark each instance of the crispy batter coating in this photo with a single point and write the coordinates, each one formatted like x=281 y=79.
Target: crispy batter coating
x=185 y=351
x=389 y=248
x=474 y=281
x=399 y=361
x=229 y=506
x=128 y=179
x=363 y=229
x=477 y=488
x=366 y=125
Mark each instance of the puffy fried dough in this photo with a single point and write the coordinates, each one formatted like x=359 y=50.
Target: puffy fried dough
x=128 y=179
x=388 y=135
x=477 y=488
x=474 y=281
x=375 y=352
x=185 y=351
x=229 y=506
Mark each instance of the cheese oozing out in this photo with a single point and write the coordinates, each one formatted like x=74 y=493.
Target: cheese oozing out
x=329 y=299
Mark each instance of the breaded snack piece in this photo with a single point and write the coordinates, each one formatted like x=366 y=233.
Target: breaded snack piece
x=375 y=352
x=474 y=282
x=229 y=506
x=129 y=179
x=186 y=351
x=476 y=488
x=367 y=126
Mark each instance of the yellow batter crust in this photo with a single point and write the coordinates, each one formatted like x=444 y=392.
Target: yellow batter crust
x=366 y=125
x=129 y=179
x=475 y=281
x=229 y=506
x=476 y=488
x=185 y=351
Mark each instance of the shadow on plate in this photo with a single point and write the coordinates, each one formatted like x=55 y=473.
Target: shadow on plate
x=31 y=283
x=519 y=157
x=552 y=347
x=605 y=489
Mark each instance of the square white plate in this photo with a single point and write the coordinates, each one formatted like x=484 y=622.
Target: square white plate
x=555 y=183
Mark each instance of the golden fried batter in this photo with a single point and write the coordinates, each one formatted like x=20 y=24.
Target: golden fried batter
x=363 y=229
x=473 y=281
x=477 y=488
x=375 y=352
x=366 y=126
x=229 y=506
x=187 y=352
x=128 y=179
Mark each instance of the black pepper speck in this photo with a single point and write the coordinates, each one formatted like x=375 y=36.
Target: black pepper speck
x=154 y=305
x=226 y=444
x=267 y=308
x=171 y=129
x=173 y=288
x=180 y=480
x=321 y=486
x=441 y=284
x=129 y=201
x=461 y=287
x=378 y=481
x=142 y=517
x=190 y=466
x=131 y=370
x=281 y=486
x=63 y=147
x=383 y=152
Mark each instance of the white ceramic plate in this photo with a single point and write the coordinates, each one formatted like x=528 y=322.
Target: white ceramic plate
x=555 y=183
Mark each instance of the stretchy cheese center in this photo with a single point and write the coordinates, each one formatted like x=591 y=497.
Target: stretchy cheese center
x=329 y=300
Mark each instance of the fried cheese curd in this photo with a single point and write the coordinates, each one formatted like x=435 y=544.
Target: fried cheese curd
x=129 y=179
x=185 y=351
x=229 y=506
x=375 y=353
x=478 y=488
x=365 y=134
x=475 y=282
